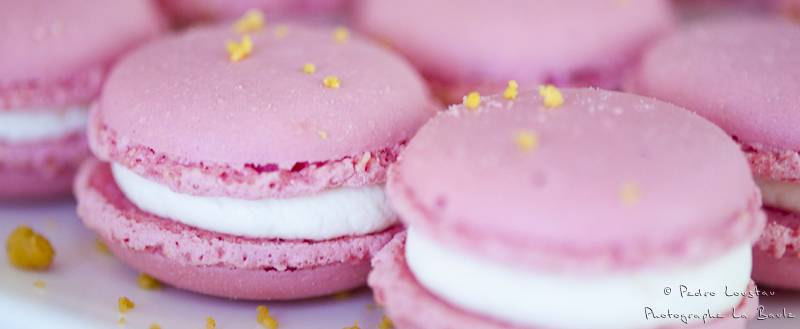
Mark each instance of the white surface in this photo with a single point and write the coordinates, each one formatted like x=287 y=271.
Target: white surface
x=780 y=194
x=610 y=301
x=326 y=215
x=84 y=284
x=32 y=125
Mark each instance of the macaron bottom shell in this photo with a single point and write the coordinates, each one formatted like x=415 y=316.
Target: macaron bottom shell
x=775 y=258
x=40 y=170
x=247 y=284
x=411 y=306
x=218 y=264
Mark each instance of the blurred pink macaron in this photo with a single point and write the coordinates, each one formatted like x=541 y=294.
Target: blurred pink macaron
x=466 y=45
x=522 y=212
x=744 y=75
x=254 y=172
x=192 y=11
x=54 y=57
x=702 y=9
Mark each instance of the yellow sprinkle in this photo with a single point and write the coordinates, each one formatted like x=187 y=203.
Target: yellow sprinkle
x=354 y=326
x=121 y=321
x=370 y=306
x=28 y=250
x=472 y=100
x=148 y=282
x=552 y=96
x=211 y=323
x=252 y=21
x=125 y=304
x=386 y=323
x=527 y=140
x=511 y=91
x=344 y=295
x=331 y=82
x=240 y=50
x=100 y=246
x=264 y=319
x=281 y=31
x=341 y=34
x=630 y=194
x=309 y=68
x=155 y=326
x=39 y=284
x=322 y=134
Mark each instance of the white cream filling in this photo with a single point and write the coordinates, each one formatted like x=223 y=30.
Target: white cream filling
x=781 y=195
x=41 y=124
x=573 y=300
x=325 y=215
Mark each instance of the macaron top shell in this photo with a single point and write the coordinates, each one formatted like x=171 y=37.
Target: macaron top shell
x=52 y=40
x=741 y=73
x=471 y=40
x=183 y=96
x=606 y=175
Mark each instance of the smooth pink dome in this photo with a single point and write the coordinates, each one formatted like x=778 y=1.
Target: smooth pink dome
x=50 y=40
x=484 y=41
x=464 y=178
x=742 y=74
x=183 y=97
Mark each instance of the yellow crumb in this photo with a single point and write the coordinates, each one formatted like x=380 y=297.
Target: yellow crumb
x=211 y=323
x=331 y=82
x=252 y=21
x=552 y=97
x=342 y=295
x=386 y=323
x=121 y=321
x=281 y=31
x=630 y=194
x=29 y=250
x=239 y=50
x=370 y=306
x=100 y=246
x=527 y=140
x=39 y=284
x=512 y=90
x=341 y=34
x=354 y=326
x=309 y=68
x=155 y=326
x=148 y=282
x=125 y=305
x=472 y=100
x=264 y=319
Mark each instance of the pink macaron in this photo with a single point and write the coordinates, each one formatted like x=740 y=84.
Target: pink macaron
x=743 y=76
x=55 y=55
x=254 y=172
x=522 y=211
x=694 y=9
x=466 y=45
x=189 y=11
